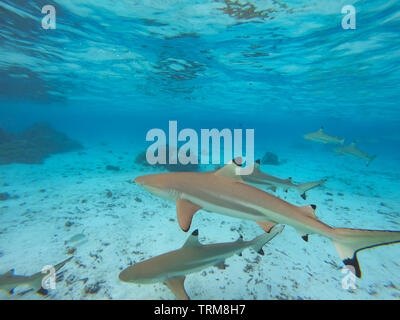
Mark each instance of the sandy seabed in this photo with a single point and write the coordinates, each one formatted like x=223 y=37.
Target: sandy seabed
x=73 y=193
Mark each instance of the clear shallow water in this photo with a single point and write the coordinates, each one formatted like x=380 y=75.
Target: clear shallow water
x=111 y=71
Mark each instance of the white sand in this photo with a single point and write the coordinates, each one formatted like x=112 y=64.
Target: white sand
x=133 y=225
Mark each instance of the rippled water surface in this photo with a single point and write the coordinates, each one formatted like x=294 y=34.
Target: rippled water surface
x=233 y=56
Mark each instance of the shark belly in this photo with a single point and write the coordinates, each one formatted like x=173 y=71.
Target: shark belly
x=241 y=209
x=197 y=262
x=232 y=208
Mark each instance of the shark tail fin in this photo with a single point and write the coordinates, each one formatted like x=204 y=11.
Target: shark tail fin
x=304 y=187
x=349 y=241
x=260 y=241
x=370 y=159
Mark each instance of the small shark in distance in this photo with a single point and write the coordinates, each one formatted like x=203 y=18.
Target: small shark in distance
x=260 y=179
x=353 y=151
x=9 y=281
x=224 y=192
x=172 y=267
x=322 y=137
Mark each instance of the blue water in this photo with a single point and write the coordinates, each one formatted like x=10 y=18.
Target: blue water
x=111 y=71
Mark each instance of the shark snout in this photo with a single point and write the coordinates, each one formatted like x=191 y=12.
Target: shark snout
x=151 y=181
x=124 y=276
x=137 y=274
x=140 y=180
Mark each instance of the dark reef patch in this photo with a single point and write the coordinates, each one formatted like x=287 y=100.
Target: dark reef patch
x=271 y=159
x=141 y=160
x=112 y=168
x=4 y=196
x=34 y=144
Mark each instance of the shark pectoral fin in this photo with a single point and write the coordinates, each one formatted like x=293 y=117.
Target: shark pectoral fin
x=176 y=285
x=273 y=188
x=221 y=265
x=266 y=225
x=349 y=257
x=185 y=211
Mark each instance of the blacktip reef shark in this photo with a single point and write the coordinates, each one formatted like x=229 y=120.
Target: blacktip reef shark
x=224 y=192
x=9 y=281
x=172 y=267
x=353 y=151
x=262 y=180
x=320 y=136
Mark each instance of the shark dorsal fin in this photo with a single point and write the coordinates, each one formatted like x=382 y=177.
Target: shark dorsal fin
x=257 y=166
x=229 y=170
x=9 y=273
x=193 y=240
x=266 y=225
x=309 y=211
x=176 y=285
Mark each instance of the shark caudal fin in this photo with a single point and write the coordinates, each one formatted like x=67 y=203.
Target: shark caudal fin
x=370 y=160
x=304 y=187
x=349 y=241
x=260 y=241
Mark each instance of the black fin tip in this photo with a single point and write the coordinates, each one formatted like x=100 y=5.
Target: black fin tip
x=353 y=262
